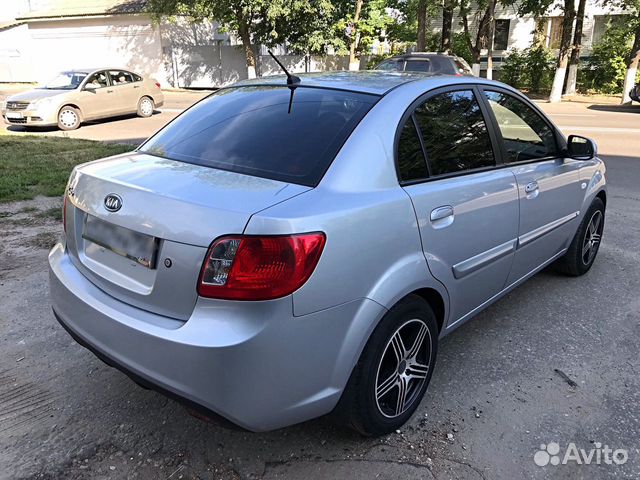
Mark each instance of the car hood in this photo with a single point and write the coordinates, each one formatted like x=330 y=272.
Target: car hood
x=35 y=94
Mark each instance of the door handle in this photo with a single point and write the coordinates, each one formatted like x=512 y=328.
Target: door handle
x=531 y=187
x=136 y=86
x=441 y=213
x=109 y=91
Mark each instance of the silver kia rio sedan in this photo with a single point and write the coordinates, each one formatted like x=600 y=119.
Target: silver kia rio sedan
x=289 y=248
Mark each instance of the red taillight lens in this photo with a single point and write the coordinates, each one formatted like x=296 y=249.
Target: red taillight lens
x=259 y=268
x=158 y=84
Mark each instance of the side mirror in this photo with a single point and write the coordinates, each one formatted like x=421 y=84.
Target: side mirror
x=90 y=87
x=581 y=148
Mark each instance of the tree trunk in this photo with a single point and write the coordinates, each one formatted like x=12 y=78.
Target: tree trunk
x=565 y=51
x=447 y=22
x=574 y=63
x=632 y=68
x=421 y=44
x=354 y=63
x=489 y=40
x=245 y=37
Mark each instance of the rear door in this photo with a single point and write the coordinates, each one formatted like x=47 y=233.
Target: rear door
x=467 y=210
x=549 y=186
x=127 y=91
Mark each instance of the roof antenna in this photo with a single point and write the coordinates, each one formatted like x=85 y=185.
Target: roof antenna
x=292 y=80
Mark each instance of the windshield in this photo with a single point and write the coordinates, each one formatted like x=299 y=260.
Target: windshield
x=249 y=130
x=65 y=81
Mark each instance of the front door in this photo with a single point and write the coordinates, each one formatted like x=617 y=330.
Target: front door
x=467 y=209
x=98 y=100
x=549 y=185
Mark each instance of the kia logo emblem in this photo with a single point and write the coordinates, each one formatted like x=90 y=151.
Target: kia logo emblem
x=112 y=202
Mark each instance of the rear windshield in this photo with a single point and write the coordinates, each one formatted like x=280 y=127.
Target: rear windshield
x=249 y=130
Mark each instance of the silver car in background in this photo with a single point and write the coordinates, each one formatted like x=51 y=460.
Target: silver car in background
x=287 y=249
x=76 y=96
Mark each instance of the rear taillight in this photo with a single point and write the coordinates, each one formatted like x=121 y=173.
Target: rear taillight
x=158 y=84
x=259 y=267
x=64 y=213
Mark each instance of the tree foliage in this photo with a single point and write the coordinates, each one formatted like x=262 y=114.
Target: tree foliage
x=530 y=69
x=605 y=69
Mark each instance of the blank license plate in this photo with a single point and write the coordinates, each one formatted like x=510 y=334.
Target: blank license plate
x=136 y=246
x=14 y=115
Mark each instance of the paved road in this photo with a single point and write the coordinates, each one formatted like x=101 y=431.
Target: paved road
x=497 y=392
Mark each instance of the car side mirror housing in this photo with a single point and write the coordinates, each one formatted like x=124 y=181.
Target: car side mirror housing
x=581 y=148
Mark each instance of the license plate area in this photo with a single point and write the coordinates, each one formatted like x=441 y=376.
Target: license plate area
x=140 y=248
x=14 y=115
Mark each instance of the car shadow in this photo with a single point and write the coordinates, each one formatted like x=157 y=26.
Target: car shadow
x=615 y=108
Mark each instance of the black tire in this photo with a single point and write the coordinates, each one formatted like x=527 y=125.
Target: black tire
x=145 y=107
x=358 y=407
x=576 y=261
x=69 y=118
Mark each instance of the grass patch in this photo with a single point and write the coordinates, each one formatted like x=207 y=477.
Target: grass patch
x=33 y=165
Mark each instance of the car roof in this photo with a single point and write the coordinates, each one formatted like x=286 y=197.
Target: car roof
x=96 y=69
x=366 y=81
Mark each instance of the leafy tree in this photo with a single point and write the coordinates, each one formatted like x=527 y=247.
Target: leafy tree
x=531 y=69
x=606 y=67
x=484 y=18
x=302 y=23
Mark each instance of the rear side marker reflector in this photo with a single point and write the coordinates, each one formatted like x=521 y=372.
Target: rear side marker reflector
x=247 y=267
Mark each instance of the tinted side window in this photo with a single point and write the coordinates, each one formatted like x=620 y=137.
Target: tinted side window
x=525 y=134
x=411 y=164
x=390 y=65
x=454 y=133
x=119 y=77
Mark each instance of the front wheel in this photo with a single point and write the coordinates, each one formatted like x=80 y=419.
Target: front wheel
x=393 y=372
x=584 y=247
x=68 y=118
x=145 y=107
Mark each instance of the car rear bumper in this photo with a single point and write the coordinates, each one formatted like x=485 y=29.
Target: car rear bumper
x=255 y=364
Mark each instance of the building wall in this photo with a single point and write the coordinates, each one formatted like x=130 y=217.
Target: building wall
x=15 y=55
x=130 y=41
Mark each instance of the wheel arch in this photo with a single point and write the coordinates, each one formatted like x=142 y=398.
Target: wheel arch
x=74 y=105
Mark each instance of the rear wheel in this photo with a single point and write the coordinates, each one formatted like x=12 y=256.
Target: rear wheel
x=393 y=372
x=145 y=107
x=68 y=118
x=584 y=247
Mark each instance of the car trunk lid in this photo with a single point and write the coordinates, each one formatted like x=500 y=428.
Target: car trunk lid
x=138 y=226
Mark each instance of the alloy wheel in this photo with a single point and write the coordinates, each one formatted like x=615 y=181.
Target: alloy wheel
x=592 y=237
x=403 y=368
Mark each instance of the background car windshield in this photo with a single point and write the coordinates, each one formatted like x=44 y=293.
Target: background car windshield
x=66 y=81
x=249 y=130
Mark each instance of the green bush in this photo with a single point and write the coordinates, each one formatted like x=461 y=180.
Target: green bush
x=531 y=69
x=605 y=69
x=460 y=47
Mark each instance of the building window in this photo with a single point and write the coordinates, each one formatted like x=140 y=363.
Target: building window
x=551 y=29
x=501 y=35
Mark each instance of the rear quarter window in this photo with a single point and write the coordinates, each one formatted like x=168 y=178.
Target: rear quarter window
x=249 y=130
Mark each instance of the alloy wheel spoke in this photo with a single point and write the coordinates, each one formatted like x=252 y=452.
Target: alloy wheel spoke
x=417 y=344
x=417 y=371
x=398 y=347
x=402 y=395
x=586 y=247
x=386 y=386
